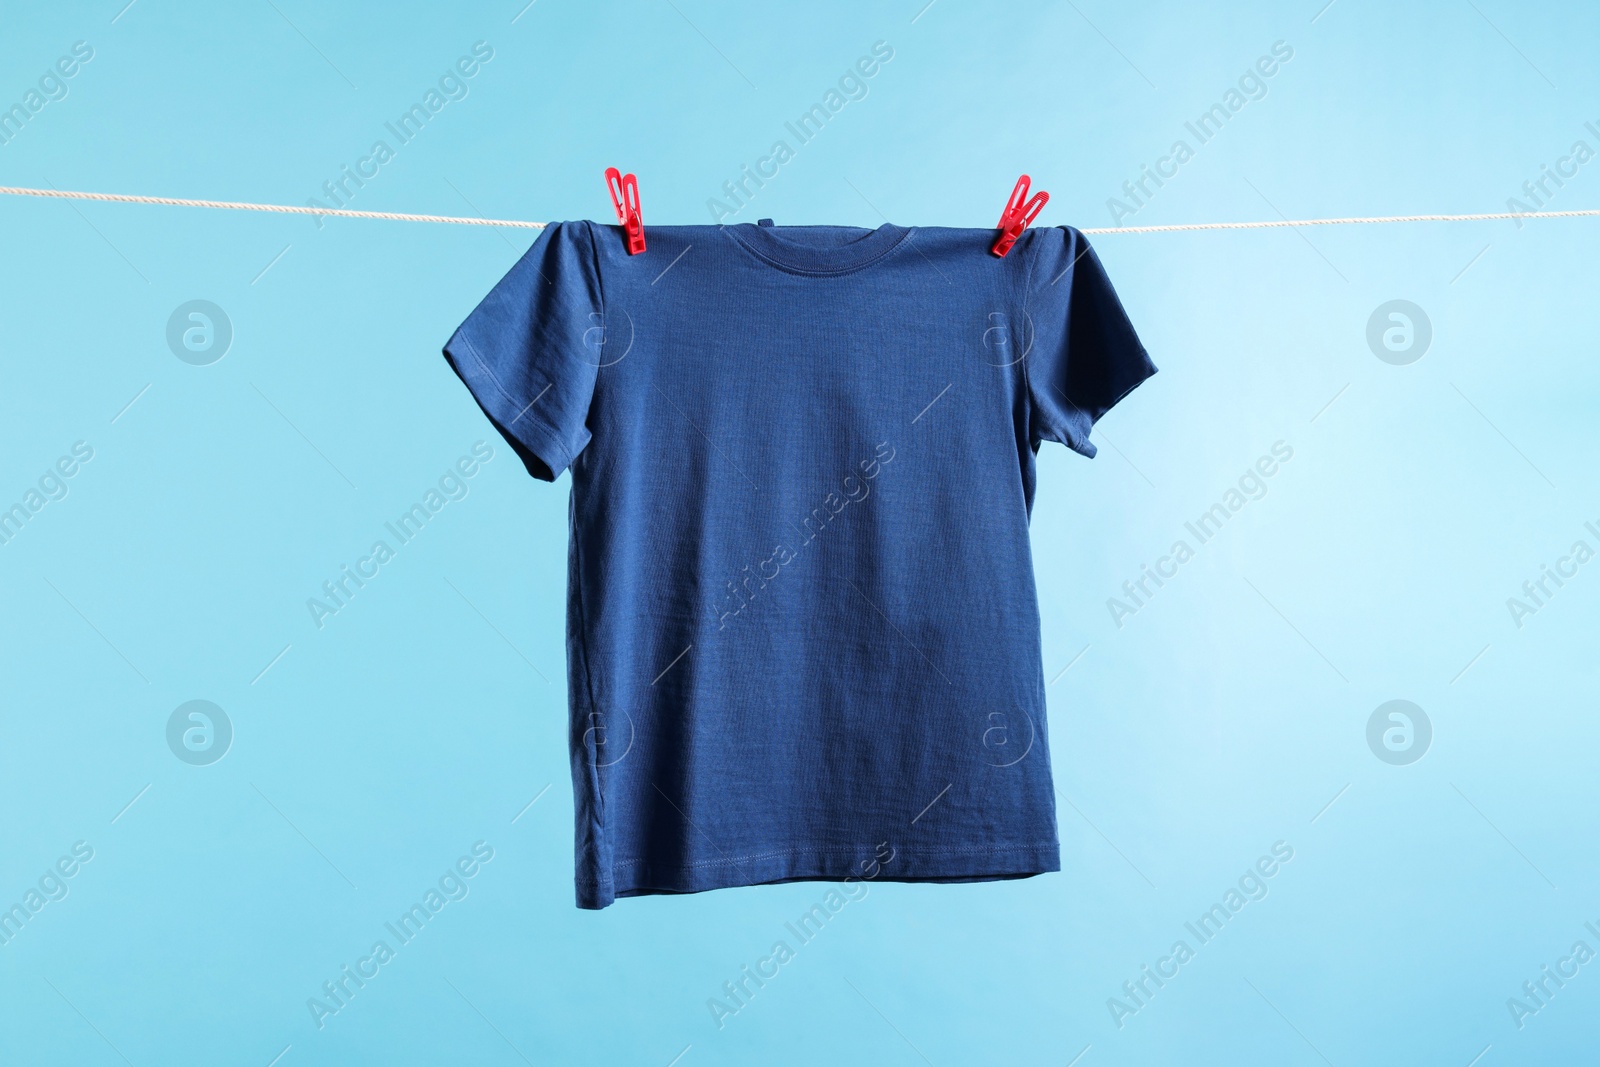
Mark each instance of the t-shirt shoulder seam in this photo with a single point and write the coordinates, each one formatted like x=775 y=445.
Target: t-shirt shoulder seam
x=1077 y=246
x=1027 y=317
x=594 y=261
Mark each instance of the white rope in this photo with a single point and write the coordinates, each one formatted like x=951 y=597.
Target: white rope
x=1583 y=213
x=288 y=209
x=284 y=209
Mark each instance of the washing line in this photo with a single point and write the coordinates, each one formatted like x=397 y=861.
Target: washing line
x=397 y=216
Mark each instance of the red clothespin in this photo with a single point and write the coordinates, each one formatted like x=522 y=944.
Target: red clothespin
x=1018 y=213
x=624 y=191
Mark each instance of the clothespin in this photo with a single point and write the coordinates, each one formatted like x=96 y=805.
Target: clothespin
x=624 y=191
x=1018 y=213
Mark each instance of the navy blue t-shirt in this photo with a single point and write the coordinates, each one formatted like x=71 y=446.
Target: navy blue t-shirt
x=802 y=632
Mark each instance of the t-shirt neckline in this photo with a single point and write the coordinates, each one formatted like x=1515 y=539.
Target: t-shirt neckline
x=785 y=247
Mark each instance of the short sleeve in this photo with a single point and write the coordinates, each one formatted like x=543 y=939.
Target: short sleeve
x=524 y=352
x=1084 y=355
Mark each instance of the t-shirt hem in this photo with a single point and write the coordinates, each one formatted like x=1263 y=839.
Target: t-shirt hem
x=635 y=878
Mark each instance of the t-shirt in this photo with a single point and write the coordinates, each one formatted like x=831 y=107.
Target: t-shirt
x=802 y=631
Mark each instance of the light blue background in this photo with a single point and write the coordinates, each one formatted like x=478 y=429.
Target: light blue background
x=1228 y=714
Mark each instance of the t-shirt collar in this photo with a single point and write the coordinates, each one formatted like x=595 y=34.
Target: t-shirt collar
x=819 y=249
